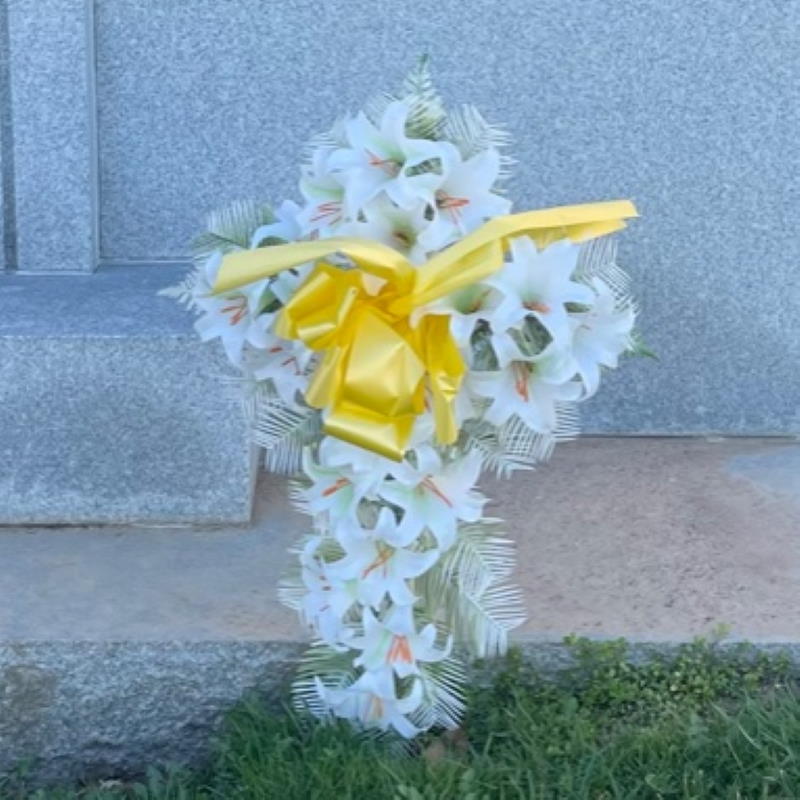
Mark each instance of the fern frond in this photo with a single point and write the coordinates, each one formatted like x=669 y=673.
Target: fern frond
x=464 y=591
x=480 y=557
x=471 y=133
x=291 y=589
x=514 y=446
x=327 y=140
x=297 y=493
x=568 y=421
x=481 y=623
x=500 y=456
x=375 y=107
x=231 y=228
x=443 y=691
x=485 y=621
x=426 y=116
x=522 y=443
x=332 y=667
x=598 y=259
x=184 y=291
x=281 y=430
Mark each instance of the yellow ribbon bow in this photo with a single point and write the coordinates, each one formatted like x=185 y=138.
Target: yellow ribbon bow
x=371 y=377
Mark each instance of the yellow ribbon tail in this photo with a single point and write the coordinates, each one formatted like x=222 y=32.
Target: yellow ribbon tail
x=481 y=253
x=387 y=436
x=248 y=266
x=446 y=370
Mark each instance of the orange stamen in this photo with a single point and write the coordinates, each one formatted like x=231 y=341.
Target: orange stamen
x=533 y=305
x=324 y=210
x=521 y=382
x=429 y=484
x=296 y=364
x=383 y=556
x=333 y=488
x=400 y=650
x=239 y=309
x=386 y=164
x=448 y=201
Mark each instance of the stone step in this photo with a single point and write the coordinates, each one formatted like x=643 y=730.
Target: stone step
x=111 y=410
x=120 y=646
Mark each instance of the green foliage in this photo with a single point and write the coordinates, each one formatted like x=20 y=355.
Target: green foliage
x=707 y=721
x=466 y=590
x=471 y=133
x=639 y=348
x=281 y=430
x=426 y=114
x=231 y=228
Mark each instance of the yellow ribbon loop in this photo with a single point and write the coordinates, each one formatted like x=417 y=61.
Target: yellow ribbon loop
x=371 y=377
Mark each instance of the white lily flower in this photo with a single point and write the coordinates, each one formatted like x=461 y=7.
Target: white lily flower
x=285 y=284
x=506 y=348
x=335 y=491
x=442 y=496
x=285 y=363
x=395 y=642
x=237 y=317
x=424 y=431
x=328 y=599
x=286 y=226
x=379 y=159
x=464 y=200
x=600 y=335
x=391 y=225
x=372 y=700
x=377 y=560
x=540 y=283
x=233 y=317
x=337 y=453
x=324 y=195
x=468 y=306
x=530 y=388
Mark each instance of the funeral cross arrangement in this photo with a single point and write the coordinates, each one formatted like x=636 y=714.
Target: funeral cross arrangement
x=399 y=333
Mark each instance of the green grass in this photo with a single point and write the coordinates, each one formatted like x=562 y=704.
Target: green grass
x=701 y=724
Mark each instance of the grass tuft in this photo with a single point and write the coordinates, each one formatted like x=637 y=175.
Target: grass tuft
x=705 y=722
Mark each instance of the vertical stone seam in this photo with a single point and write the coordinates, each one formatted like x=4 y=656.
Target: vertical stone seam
x=7 y=197
x=93 y=129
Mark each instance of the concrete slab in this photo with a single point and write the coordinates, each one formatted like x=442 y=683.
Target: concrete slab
x=123 y=645
x=51 y=70
x=111 y=409
x=658 y=539
x=649 y=538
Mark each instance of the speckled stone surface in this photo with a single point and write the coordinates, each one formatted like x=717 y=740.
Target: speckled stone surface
x=123 y=646
x=88 y=710
x=5 y=143
x=689 y=108
x=111 y=408
x=52 y=113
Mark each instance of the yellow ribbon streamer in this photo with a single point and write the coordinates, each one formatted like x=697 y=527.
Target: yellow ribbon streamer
x=371 y=377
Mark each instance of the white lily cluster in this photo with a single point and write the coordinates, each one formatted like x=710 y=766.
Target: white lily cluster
x=402 y=563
